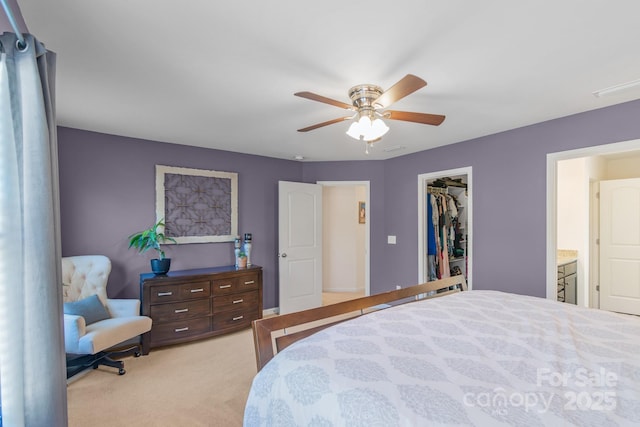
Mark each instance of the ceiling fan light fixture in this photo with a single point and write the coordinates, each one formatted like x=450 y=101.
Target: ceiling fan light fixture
x=378 y=129
x=364 y=123
x=354 y=130
x=366 y=130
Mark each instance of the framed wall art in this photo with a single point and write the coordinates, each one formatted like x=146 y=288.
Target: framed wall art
x=362 y=213
x=198 y=206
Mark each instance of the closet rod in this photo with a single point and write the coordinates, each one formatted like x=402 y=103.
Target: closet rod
x=12 y=20
x=440 y=190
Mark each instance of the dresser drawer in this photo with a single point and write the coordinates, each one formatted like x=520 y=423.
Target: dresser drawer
x=179 y=330
x=162 y=313
x=179 y=292
x=567 y=269
x=239 y=301
x=231 y=285
x=195 y=290
x=229 y=319
x=570 y=268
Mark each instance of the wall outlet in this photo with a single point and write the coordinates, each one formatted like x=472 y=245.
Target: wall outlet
x=391 y=240
x=398 y=287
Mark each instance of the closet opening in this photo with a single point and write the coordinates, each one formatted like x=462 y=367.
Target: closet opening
x=445 y=225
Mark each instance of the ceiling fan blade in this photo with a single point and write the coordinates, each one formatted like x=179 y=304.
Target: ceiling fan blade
x=424 y=118
x=319 y=125
x=407 y=85
x=314 y=97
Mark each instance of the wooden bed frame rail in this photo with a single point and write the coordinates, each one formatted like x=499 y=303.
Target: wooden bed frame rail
x=304 y=323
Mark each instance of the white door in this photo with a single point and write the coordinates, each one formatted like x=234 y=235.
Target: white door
x=300 y=246
x=620 y=245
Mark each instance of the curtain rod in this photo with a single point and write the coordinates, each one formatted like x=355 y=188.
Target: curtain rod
x=7 y=10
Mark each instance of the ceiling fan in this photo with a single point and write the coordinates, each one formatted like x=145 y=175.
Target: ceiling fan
x=369 y=103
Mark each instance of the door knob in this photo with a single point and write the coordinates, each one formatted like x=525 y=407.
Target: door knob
x=284 y=255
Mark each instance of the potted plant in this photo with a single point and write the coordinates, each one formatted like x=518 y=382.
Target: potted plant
x=152 y=238
x=242 y=259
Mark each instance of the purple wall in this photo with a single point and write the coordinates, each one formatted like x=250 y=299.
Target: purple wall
x=108 y=192
x=509 y=196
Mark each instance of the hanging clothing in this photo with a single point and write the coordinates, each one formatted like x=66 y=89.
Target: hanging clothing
x=431 y=237
x=463 y=200
x=444 y=234
x=431 y=267
x=444 y=266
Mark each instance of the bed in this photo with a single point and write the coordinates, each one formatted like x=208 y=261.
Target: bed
x=483 y=358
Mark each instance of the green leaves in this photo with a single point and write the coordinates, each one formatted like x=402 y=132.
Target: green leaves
x=150 y=238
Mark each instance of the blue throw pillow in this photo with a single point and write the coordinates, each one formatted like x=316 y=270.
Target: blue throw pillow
x=90 y=308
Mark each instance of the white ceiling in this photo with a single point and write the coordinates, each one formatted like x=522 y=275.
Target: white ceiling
x=222 y=74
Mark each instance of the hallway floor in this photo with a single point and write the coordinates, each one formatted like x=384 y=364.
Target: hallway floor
x=334 y=297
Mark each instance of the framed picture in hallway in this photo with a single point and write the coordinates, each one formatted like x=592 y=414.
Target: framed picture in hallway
x=198 y=206
x=362 y=213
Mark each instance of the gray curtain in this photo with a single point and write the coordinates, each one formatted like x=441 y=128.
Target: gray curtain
x=32 y=358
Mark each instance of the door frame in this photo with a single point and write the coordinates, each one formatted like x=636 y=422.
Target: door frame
x=367 y=232
x=552 y=225
x=594 y=253
x=422 y=240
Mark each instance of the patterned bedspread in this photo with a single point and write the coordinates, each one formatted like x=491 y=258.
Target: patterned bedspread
x=481 y=358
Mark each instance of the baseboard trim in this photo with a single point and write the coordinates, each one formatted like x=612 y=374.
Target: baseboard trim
x=345 y=290
x=270 y=311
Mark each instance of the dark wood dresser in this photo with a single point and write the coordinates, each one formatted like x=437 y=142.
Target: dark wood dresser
x=188 y=305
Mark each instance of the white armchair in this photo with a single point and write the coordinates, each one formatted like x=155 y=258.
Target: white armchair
x=97 y=328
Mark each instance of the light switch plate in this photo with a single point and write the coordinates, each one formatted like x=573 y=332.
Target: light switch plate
x=391 y=240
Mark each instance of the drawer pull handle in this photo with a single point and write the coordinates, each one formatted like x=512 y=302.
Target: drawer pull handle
x=238 y=318
x=193 y=291
x=224 y=286
x=165 y=294
x=186 y=328
x=181 y=310
x=250 y=282
x=238 y=301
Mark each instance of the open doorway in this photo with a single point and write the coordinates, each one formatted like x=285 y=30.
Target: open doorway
x=345 y=265
x=453 y=245
x=573 y=211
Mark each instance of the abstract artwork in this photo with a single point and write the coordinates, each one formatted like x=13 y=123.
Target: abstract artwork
x=198 y=206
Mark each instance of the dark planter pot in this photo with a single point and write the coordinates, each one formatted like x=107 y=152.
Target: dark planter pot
x=160 y=266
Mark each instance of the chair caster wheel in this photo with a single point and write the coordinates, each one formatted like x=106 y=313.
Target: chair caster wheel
x=137 y=354
x=121 y=371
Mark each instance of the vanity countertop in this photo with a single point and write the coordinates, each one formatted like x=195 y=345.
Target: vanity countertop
x=565 y=256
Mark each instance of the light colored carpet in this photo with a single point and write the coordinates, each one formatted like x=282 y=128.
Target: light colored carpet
x=204 y=383
x=335 y=297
